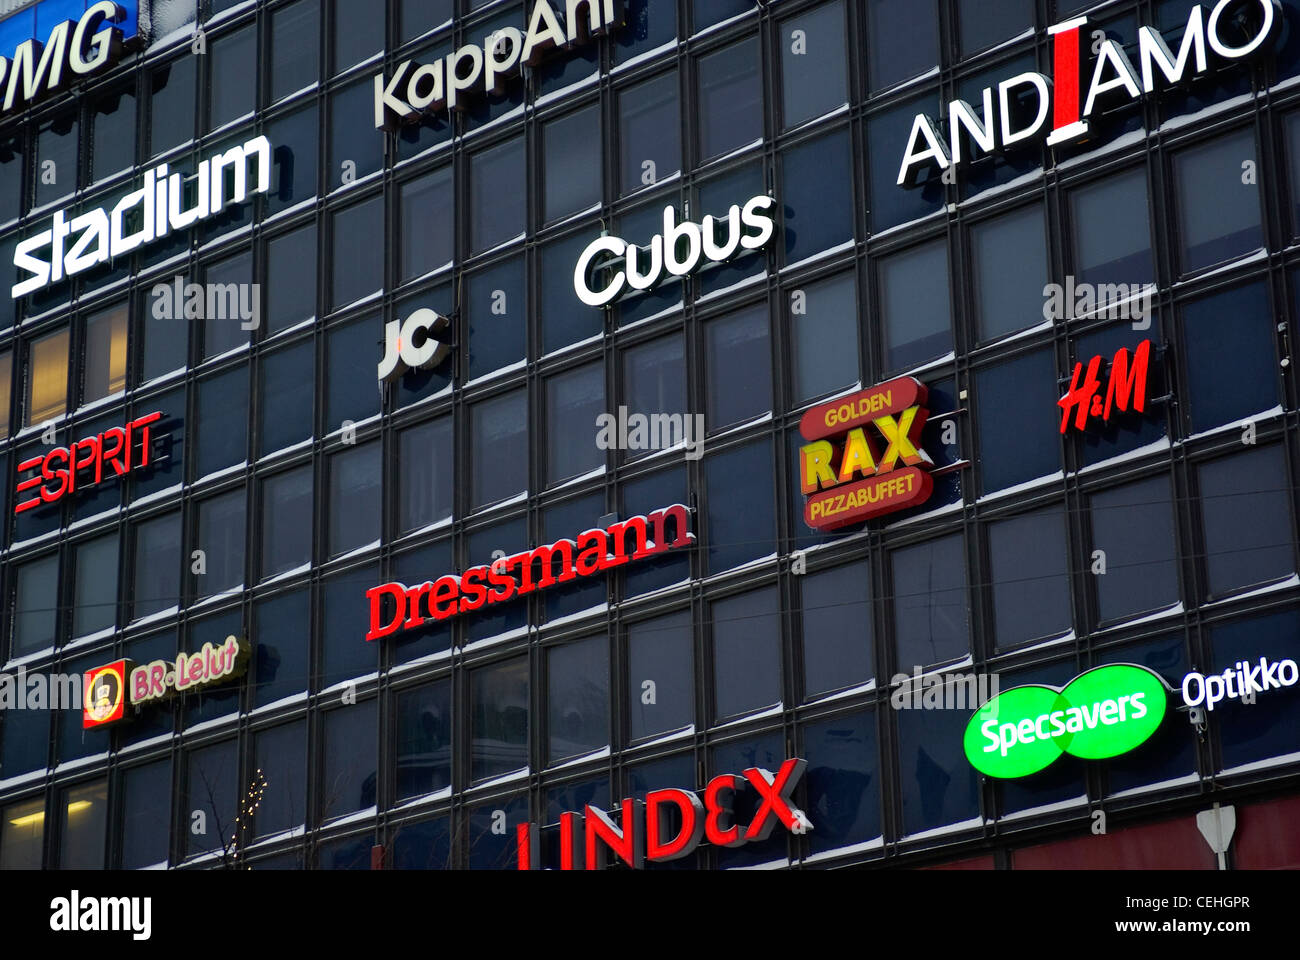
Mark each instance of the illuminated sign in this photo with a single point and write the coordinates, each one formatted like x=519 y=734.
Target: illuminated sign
x=42 y=49
x=844 y=444
x=1102 y=713
x=79 y=243
x=1020 y=112
x=669 y=824
x=65 y=470
x=482 y=70
x=110 y=688
x=1241 y=681
x=1126 y=389
x=595 y=551
x=104 y=699
x=676 y=252
x=416 y=343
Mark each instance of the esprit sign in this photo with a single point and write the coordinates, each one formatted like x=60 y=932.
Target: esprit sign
x=670 y=824
x=610 y=267
x=75 y=244
x=1032 y=107
x=595 y=551
x=110 y=688
x=416 y=90
x=864 y=456
x=1102 y=713
x=1126 y=389
x=88 y=462
x=420 y=342
x=33 y=65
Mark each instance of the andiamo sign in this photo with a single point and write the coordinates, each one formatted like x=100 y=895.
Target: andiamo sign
x=599 y=277
x=1032 y=107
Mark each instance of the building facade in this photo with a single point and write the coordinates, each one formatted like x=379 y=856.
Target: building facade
x=226 y=213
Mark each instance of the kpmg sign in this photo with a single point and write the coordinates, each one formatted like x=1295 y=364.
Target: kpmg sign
x=47 y=45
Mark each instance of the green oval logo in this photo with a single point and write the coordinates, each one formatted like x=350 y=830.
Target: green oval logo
x=1102 y=713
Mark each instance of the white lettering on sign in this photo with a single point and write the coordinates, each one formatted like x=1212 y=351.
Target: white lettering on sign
x=420 y=342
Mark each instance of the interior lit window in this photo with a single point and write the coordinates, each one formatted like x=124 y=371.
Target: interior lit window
x=6 y=391
x=105 y=353
x=47 y=380
x=22 y=828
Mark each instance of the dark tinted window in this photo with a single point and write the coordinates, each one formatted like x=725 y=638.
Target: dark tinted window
x=1112 y=230
x=814 y=74
x=571 y=162
x=843 y=781
x=1245 y=506
x=931 y=607
x=288 y=380
x=983 y=23
x=739 y=364
x=280 y=763
x=938 y=784
x=499 y=719
x=290 y=281
x=1229 y=377
x=494 y=318
x=746 y=652
x=157 y=585
x=222 y=422
x=356 y=148
x=1018 y=237
x=649 y=132
x=280 y=631
x=577 y=697
x=1133 y=527
x=95 y=604
x=146 y=805
x=357 y=31
x=36 y=602
x=729 y=98
x=351 y=759
x=819 y=314
x=212 y=791
x=660 y=684
x=172 y=104
x=574 y=400
x=286 y=521
x=496 y=177
x=220 y=535
x=915 y=305
x=295 y=47
x=741 y=517
x=233 y=86
x=1218 y=201
x=838 y=633
x=114 y=132
x=344 y=654
x=498 y=431
x=1016 y=411
x=562 y=321
x=358 y=252
x=1030 y=575
x=356 y=501
x=904 y=40
x=424 y=744
x=817 y=195
x=1249 y=733
x=426 y=479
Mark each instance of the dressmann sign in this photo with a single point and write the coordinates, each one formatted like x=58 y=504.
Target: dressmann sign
x=47 y=45
x=1031 y=107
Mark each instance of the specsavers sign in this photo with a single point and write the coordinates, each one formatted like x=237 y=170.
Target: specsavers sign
x=1102 y=713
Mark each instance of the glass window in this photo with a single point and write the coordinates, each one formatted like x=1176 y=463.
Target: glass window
x=22 y=832
x=1265 y=729
x=211 y=790
x=661 y=675
x=417 y=18
x=47 y=378
x=356 y=500
x=904 y=40
x=916 y=305
x=424 y=744
x=279 y=666
x=1293 y=155
x=83 y=828
x=931 y=607
x=986 y=22
x=768 y=752
x=499 y=432
x=105 y=371
x=566 y=520
x=1112 y=230
x=821 y=314
x=574 y=401
x=499 y=719
x=843 y=781
x=741 y=517
x=280 y=767
x=426 y=479
x=490 y=847
x=357 y=31
x=290 y=281
x=1030 y=575
x=349 y=397
x=356 y=147
x=817 y=193
x=350 y=771
x=295 y=48
x=577 y=697
x=113 y=130
x=13 y=156
x=422 y=846
x=220 y=535
x=358 y=251
x=938 y=784
x=562 y=323
x=495 y=314
x=6 y=390
x=157 y=581
x=654 y=377
x=814 y=72
x=1229 y=377
x=286 y=521
x=1018 y=237
x=1218 y=204
x=36 y=602
x=288 y=393
x=1016 y=411
x=746 y=652
x=730 y=98
x=640 y=497
x=222 y=426
x=146 y=794
x=296 y=167
x=172 y=104
x=643 y=30
x=56 y=159
x=571 y=163
x=230 y=304
x=739 y=359
x=496 y=202
x=165 y=340
x=838 y=632
x=650 y=135
x=1245 y=506
x=95 y=604
x=348 y=853
x=427 y=209
x=889 y=133
x=1133 y=526
x=233 y=87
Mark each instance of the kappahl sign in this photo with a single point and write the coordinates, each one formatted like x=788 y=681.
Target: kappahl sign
x=1031 y=107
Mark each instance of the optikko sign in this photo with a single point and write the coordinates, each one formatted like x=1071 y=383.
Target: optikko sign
x=1102 y=713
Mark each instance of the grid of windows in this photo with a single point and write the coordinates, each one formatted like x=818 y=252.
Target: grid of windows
x=287 y=483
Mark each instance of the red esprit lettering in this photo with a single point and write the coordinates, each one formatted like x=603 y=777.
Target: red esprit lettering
x=775 y=793
x=113 y=455
x=526 y=844
x=25 y=485
x=717 y=834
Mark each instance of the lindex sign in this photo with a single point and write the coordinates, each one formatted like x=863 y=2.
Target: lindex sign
x=1100 y=714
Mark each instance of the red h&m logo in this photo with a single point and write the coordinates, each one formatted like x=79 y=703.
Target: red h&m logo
x=1126 y=389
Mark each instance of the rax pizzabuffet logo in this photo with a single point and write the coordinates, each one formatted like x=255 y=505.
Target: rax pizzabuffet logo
x=874 y=435
x=670 y=824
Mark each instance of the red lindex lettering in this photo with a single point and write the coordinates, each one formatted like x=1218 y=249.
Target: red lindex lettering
x=671 y=823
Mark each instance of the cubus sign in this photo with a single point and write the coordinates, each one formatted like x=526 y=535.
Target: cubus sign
x=670 y=824
x=595 y=551
x=64 y=470
x=1031 y=107
x=843 y=445
x=1102 y=713
x=1126 y=389
x=110 y=688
